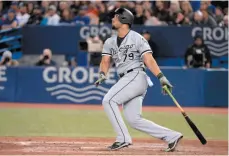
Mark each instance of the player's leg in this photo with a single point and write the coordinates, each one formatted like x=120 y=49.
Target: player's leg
x=133 y=115
x=124 y=90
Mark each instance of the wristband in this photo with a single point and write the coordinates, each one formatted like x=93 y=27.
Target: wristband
x=160 y=75
x=101 y=73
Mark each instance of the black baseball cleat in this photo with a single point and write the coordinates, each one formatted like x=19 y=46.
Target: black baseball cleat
x=118 y=145
x=171 y=147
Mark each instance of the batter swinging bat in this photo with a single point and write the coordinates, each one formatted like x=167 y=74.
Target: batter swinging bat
x=189 y=121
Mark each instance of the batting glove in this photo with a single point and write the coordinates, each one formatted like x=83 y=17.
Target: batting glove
x=164 y=82
x=101 y=79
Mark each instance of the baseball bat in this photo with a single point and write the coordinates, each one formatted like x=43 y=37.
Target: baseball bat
x=189 y=121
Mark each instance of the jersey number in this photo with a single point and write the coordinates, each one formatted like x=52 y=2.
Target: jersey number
x=130 y=55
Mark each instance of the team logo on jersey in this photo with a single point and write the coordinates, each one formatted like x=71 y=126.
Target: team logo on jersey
x=76 y=85
x=125 y=48
x=113 y=51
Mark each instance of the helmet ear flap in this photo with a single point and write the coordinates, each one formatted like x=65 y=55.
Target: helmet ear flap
x=124 y=16
x=121 y=18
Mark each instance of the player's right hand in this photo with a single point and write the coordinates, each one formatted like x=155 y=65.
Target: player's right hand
x=164 y=82
x=101 y=79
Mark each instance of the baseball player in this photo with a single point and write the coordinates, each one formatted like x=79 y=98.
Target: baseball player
x=130 y=51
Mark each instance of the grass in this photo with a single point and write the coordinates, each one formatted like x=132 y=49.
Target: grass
x=83 y=123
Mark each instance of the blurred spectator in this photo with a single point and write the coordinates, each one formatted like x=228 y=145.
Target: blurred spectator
x=203 y=6
x=92 y=13
x=7 y=60
x=208 y=20
x=186 y=21
x=2 y=11
x=95 y=12
x=52 y=17
x=81 y=18
x=46 y=59
x=94 y=48
x=224 y=23
x=36 y=17
x=66 y=17
x=181 y=20
x=197 y=18
x=23 y=16
x=72 y=62
x=131 y=6
x=14 y=6
x=30 y=7
x=75 y=7
x=85 y=3
x=174 y=7
x=160 y=12
x=113 y=5
x=211 y=8
x=150 y=19
x=62 y=6
x=207 y=6
x=11 y=20
x=103 y=15
x=198 y=54
x=186 y=9
x=147 y=4
x=218 y=15
x=139 y=17
x=146 y=34
x=225 y=20
x=225 y=11
x=92 y=9
x=55 y=3
x=174 y=17
x=44 y=5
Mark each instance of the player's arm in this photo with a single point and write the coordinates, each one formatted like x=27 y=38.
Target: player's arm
x=150 y=62
x=105 y=64
x=154 y=68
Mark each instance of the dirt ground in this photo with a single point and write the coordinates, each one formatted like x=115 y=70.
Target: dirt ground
x=98 y=146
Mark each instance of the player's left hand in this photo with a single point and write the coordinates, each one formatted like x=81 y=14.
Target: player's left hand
x=101 y=79
x=165 y=82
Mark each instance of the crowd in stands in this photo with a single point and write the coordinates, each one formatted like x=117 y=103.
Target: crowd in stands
x=149 y=13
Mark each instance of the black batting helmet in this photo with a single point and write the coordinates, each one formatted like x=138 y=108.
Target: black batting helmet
x=125 y=16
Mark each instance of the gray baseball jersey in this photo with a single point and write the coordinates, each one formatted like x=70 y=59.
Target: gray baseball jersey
x=129 y=54
x=130 y=90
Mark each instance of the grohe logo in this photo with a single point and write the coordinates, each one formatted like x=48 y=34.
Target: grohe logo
x=76 y=85
x=215 y=38
x=86 y=31
x=3 y=77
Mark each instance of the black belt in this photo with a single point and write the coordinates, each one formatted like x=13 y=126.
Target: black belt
x=128 y=71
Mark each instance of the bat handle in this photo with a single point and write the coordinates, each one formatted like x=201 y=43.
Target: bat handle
x=184 y=114
x=174 y=100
